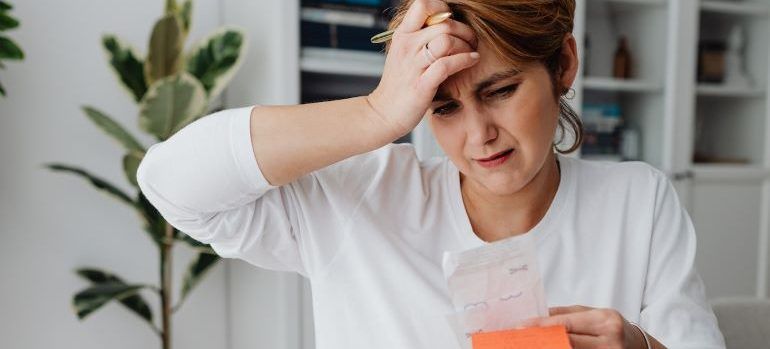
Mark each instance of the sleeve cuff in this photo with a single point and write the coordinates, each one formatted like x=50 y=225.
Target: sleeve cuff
x=243 y=151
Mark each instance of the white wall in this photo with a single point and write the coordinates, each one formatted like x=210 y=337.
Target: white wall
x=52 y=223
x=272 y=76
x=266 y=307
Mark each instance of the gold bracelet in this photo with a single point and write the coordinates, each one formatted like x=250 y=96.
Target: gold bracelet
x=644 y=334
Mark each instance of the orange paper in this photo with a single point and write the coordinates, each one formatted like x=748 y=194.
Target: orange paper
x=554 y=337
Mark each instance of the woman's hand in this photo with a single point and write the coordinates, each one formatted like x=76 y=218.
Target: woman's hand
x=594 y=328
x=410 y=78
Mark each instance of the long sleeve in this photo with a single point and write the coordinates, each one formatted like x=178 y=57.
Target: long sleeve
x=206 y=182
x=675 y=309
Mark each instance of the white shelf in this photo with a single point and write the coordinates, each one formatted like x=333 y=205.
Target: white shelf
x=735 y=7
x=718 y=90
x=343 y=62
x=602 y=157
x=736 y=172
x=612 y=84
x=330 y=16
x=634 y=2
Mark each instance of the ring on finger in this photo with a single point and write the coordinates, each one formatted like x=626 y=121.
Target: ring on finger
x=429 y=55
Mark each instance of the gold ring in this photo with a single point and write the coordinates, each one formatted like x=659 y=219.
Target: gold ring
x=429 y=54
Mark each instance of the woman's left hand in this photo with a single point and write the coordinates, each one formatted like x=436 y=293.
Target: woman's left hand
x=592 y=327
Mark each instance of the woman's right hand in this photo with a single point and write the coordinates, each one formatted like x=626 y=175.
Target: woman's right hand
x=410 y=80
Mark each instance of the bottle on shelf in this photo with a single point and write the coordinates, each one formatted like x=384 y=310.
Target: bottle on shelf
x=587 y=56
x=622 y=62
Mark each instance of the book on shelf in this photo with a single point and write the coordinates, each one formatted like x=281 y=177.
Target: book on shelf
x=606 y=136
x=343 y=24
x=351 y=4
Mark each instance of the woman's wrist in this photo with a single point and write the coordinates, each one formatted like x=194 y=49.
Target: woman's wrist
x=639 y=340
x=376 y=114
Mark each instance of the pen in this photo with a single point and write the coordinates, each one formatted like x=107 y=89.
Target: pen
x=432 y=19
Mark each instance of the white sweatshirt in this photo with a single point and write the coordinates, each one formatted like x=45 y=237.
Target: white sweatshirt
x=369 y=232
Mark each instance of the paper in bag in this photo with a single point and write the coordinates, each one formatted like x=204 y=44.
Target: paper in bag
x=494 y=287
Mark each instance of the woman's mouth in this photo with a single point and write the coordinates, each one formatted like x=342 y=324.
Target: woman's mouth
x=496 y=159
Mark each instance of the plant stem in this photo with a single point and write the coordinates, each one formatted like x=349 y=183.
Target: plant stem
x=165 y=282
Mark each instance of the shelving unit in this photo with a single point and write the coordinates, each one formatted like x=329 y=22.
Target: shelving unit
x=727 y=172
x=341 y=62
x=620 y=85
x=730 y=202
x=328 y=73
x=599 y=26
x=735 y=128
x=735 y=7
x=719 y=90
x=679 y=118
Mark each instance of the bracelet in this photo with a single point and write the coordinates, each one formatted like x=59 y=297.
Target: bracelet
x=644 y=334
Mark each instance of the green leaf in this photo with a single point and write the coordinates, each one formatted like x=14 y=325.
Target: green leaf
x=215 y=59
x=4 y=6
x=195 y=272
x=171 y=6
x=99 y=183
x=171 y=104
x=113 y=129
x=91 y=299
x=127 y=65
x=165 y=51
x=135 y=302
x=185 y=14
x=154 y=224
x=7 y=22
x=97 y=276
x=2 y=90
x=131 y=164
x=9 y=50
x=195 y=244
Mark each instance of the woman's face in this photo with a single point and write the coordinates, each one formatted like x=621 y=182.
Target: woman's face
x=474 y=118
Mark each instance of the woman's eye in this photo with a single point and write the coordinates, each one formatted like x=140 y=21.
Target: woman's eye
x=504 y=91
x=444 y=109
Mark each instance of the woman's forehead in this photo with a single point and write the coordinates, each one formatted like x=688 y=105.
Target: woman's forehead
x=474 y=82
x=486 y=73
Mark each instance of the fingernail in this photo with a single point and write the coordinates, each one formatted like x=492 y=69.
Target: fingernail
x=475 y=55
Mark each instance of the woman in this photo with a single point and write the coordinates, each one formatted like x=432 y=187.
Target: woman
x=317 y=189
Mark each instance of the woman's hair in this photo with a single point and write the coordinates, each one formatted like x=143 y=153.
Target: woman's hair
x=520 y=31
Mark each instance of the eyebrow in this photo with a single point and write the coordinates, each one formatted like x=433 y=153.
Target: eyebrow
x=442 y=95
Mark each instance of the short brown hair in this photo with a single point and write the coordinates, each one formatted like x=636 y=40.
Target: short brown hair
x=520 y=31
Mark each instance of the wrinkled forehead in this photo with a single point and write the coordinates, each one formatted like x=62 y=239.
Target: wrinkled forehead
x=489 y=71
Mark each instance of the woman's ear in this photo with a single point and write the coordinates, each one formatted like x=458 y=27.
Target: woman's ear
x=568 y=61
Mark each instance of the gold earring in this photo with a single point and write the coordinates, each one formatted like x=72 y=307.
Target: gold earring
x=569 y=93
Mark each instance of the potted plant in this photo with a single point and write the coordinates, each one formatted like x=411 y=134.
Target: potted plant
x=172 y=88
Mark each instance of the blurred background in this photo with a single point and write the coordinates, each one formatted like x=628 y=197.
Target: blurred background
x=680 y=84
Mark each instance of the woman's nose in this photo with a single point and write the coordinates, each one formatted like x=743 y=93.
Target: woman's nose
x=480 y=128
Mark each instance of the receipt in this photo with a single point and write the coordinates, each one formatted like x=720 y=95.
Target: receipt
x=494 y=287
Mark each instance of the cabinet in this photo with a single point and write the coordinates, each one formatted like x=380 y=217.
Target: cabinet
x=711 y=138
x=729 y=201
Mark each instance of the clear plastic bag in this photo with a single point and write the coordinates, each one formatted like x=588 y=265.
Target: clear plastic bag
x=494 y=287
